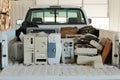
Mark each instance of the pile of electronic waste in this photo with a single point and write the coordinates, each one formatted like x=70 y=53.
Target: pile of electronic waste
x=70 y=45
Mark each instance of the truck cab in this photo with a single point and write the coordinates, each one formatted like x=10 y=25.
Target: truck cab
x=53 y=17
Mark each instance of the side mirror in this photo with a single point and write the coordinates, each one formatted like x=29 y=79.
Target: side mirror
x=19 y=22
x=90 y=21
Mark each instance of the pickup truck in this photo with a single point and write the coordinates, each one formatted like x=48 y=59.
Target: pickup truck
x=53 y=17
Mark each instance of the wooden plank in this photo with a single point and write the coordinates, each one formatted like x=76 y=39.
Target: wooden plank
x=1 y=3
x=1 y=21
x=106 y=49
x=7 y=22
x=5 y=6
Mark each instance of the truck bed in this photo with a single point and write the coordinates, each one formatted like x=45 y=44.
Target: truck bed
x=64 y=71
x=59 y=72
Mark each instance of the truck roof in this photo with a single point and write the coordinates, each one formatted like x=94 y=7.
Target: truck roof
x=55 y=6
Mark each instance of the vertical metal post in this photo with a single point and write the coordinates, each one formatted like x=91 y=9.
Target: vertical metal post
x=82 y=3
x=57 y=2
x=0 y=56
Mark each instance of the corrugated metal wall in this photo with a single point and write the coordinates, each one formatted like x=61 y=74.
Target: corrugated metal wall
x=114 y=13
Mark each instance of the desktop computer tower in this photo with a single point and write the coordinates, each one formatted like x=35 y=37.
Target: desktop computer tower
x=29 y=49
x=116 y=55
x=68 y=50
x=40 y=56
x=17 y=52
x=4 y=50
x=54 y=48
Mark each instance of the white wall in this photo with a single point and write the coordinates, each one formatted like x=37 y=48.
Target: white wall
x=18 y=10
x=94 y=8
x=114 y=15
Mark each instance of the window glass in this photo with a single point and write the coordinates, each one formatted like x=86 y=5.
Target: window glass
x=56 y=16
x=35 y=16
x=49 y=16
x=61 y=16
x=75 y=16
x=72 y=13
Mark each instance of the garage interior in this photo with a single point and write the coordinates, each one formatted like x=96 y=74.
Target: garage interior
x=104 y=64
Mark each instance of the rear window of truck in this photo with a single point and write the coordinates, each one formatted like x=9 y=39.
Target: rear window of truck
x=55 y=16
